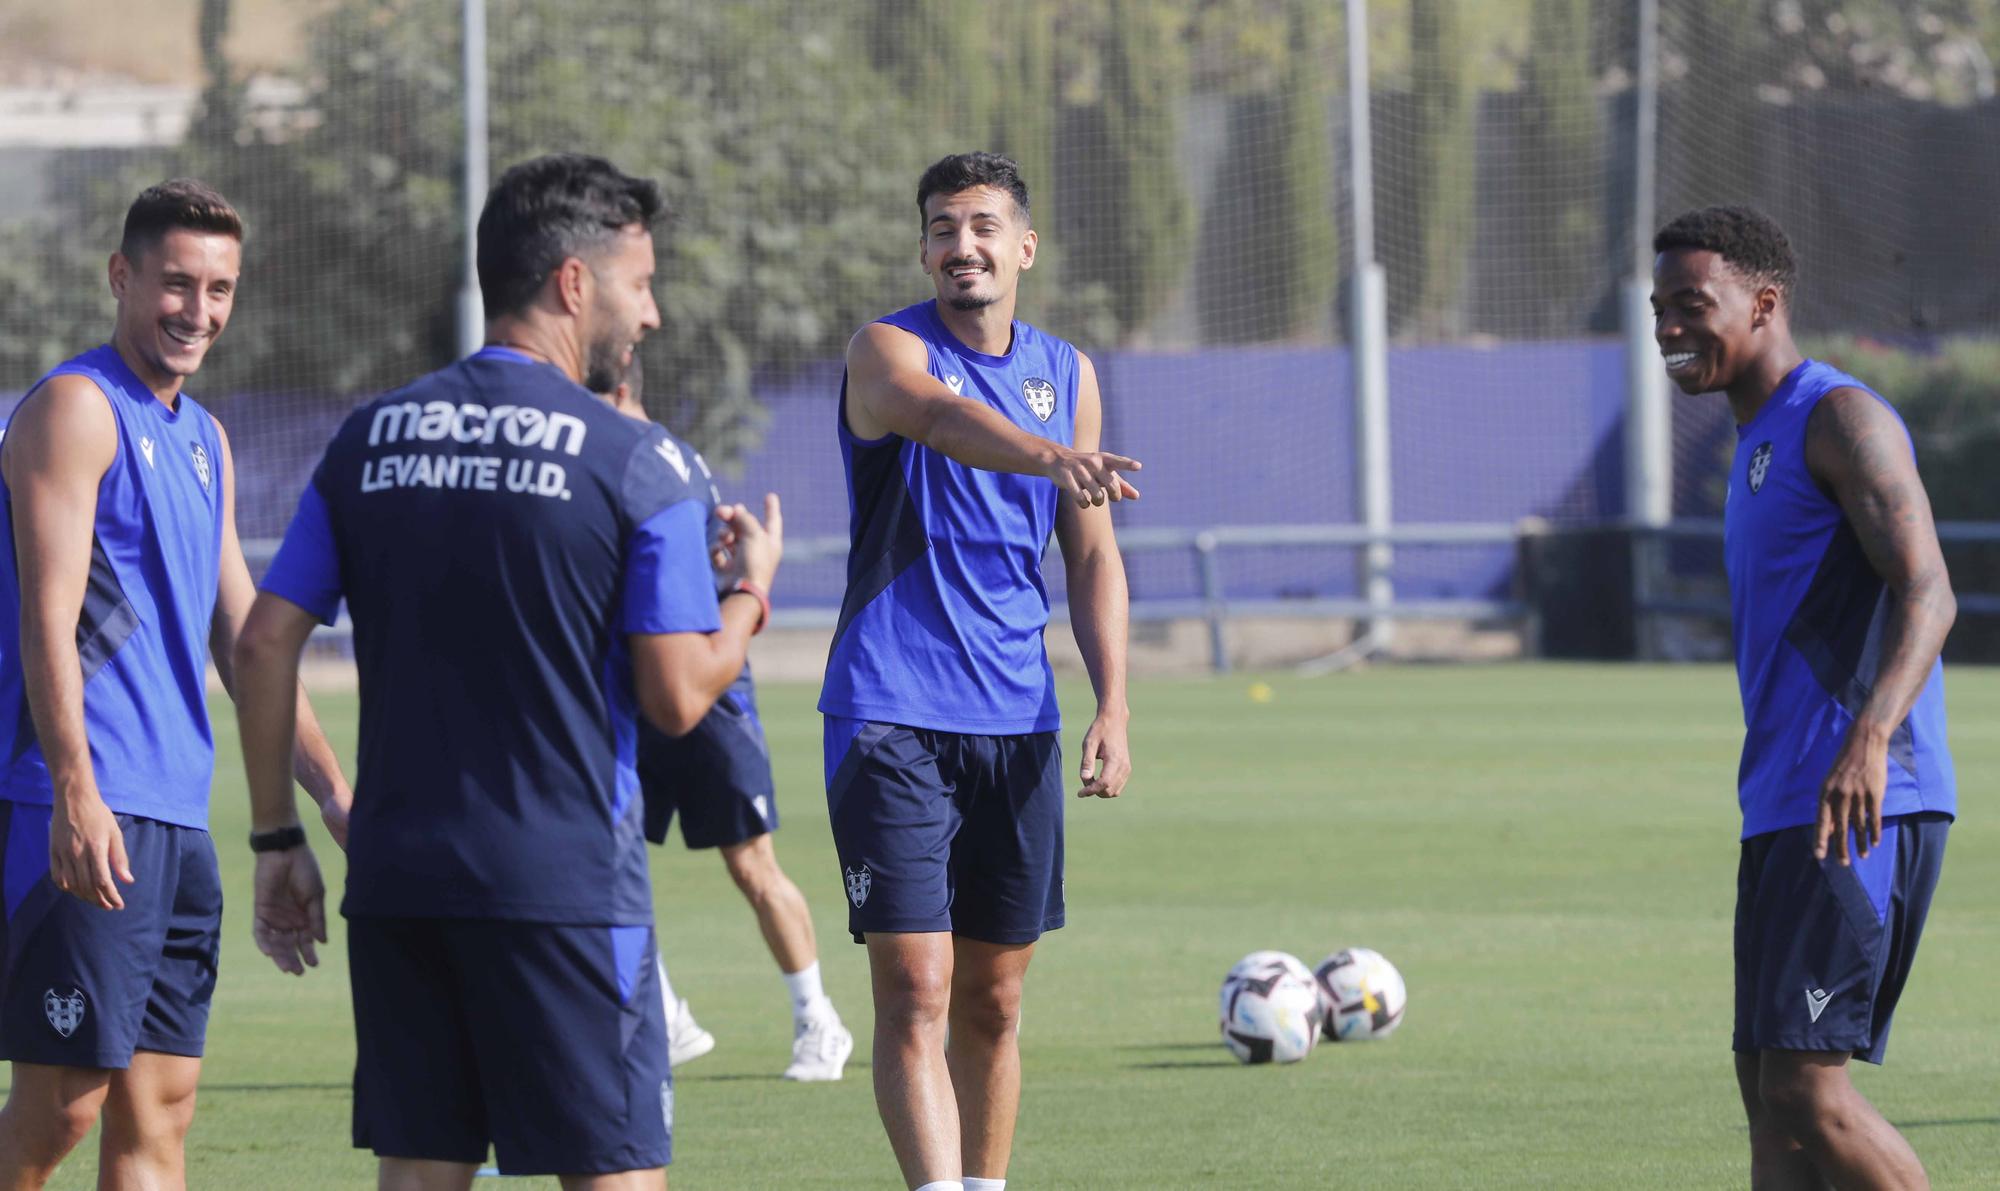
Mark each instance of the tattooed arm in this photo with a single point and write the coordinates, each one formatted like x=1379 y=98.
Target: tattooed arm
x=1859 y=453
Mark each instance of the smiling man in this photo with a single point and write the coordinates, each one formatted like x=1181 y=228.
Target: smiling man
x=1840 y=606
x=123 y=581
x=968 y=438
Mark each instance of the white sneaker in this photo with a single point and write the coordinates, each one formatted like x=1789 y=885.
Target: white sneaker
x=820 y=1046
x=685 y=1039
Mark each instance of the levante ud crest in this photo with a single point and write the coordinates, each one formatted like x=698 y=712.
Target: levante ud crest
x=1760 y=466
x=1040 y=396
x=65 y=1010
x=858 y=881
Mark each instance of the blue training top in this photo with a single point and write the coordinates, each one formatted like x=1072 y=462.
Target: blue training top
x=155 y=553
x=941 y=626
x=1808 y=611
x=497 y=532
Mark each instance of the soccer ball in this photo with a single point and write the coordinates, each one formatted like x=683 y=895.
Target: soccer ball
x=1361 y=995
x=1267 y=961
x=1270 y=1012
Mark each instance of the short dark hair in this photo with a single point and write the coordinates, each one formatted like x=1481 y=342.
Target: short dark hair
x=544 y=211
x=963 y=171
x=177 y=203
x=1748 y=239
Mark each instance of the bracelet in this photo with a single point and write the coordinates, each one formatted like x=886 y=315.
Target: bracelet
x=278 y=840
x=748 y=588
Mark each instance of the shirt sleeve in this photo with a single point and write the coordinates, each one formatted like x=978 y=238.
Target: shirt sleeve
x=669 y=585
x=306 y=570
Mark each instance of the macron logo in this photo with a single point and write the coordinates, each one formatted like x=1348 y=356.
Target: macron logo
x=672 y=454
x=957 y=384
x=1816 y=999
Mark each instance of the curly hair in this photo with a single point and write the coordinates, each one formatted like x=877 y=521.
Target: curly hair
x=1748 y=239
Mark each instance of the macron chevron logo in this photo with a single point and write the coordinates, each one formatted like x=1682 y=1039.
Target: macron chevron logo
x=1816 y=999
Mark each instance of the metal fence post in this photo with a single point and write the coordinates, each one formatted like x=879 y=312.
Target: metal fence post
x=471 y=310
x=1368 y=344
x=1214 y=608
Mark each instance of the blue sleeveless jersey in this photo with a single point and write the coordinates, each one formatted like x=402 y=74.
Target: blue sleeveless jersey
x=1808 y=613
x=155 y=552
x=941 y=626
x=497 y=533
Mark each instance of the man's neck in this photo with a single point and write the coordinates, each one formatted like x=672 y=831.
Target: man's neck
x=988 y=330
x=1762 y=378
x=545 y=341
x=166 y=389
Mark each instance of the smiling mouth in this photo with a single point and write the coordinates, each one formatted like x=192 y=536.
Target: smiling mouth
x=965 y=272
x=184 y=337
x=1681 y=362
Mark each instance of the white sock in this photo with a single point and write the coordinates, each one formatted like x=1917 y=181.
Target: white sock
x=943 y=1185
x=972 y=1184
x=666 y=986
x=805 y=989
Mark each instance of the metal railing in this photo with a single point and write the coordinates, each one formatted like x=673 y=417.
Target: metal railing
x=1208 y=548
x=1647 y=600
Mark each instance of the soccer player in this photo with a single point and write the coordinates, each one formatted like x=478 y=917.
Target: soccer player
x=1841 y=604
x=968 y=438
x=719 y=778
x=123 y=578
x=525 y=570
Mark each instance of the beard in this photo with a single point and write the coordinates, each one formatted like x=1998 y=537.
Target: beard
x=604 y=363
x=970 y=301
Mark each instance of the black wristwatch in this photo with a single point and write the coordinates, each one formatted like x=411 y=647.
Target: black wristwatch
x=278 y=840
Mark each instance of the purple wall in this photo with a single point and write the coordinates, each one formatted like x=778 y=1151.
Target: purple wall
x=1229 y=437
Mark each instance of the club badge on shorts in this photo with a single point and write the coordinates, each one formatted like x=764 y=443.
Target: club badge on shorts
x=858 y=881
x=65 y=1012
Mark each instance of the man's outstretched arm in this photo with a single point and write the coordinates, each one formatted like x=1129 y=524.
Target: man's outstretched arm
x=890 y=391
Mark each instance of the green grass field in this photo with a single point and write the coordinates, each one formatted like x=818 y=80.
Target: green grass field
x=1548 y=852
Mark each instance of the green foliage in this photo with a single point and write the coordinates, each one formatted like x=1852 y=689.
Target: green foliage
x=1270 y=260
x=1131 y=234
x=1562 y=142
x=1439 y=190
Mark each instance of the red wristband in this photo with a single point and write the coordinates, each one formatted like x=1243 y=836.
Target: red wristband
x=763 y=602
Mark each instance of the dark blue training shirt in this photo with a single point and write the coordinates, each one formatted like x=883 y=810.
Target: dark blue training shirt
x=1807 y=619
x=142 y=636
x=497 y=531
x=941 y=626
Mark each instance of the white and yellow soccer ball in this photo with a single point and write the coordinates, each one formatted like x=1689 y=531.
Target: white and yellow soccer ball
x=1361 y=995
x=1270 y=1009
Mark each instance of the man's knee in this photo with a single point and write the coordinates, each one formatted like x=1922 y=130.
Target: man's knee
x=753 y=865
x=988 y=1009
x=51 y=1111
x=1801 y=1100
x=912 y=990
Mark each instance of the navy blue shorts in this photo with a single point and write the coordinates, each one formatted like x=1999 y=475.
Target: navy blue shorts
x=84 y=986
x=547 y=1042
x=1822 y=949
x=718 y=776
x=945 y=831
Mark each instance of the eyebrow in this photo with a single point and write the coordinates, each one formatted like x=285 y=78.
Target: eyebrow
x=941 y=218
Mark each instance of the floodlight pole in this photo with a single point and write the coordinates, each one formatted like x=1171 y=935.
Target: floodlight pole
x=1368 y=344
x=471 y=311
x=1649 y=461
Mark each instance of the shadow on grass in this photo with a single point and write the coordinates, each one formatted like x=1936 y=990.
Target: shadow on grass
x=1152 y=1046
x=1946 y=1124
x=209 y=1088
x=1184 y=1064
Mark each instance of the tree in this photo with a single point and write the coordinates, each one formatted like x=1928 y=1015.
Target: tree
x=1126 y=218
x=1269 y=258
x=1561 y=152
